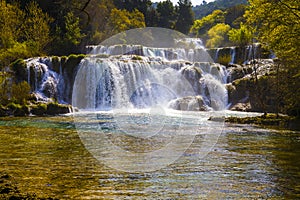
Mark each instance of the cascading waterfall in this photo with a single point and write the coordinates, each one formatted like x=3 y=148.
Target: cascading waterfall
x=157 y=76
x=133 y=76
x=196 y=54
x=46 y=83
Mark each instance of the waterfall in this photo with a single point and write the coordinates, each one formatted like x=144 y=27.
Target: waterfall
x=195 y=54
x=132 y=76
x=46 y=84
x=232 y=55
x=126 y=82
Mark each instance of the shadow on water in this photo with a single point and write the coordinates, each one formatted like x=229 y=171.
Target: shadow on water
x=45 y=157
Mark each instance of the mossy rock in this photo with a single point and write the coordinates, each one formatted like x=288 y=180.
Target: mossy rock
x=19 y=68
x=39 y=109
x=4 y=111
x=265 y=120
x=137 y=58
x=18 y=110
x=56 y=109
x=55 y=60
x=70 y=64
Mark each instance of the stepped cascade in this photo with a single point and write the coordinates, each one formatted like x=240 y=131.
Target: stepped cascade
x=132 y=76
x=124 y=76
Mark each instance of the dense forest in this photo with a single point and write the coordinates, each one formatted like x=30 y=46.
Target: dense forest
x=31 y=28
x=207 y=8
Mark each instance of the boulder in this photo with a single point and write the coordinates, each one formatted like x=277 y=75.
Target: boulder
x=190 y=103
x=56 y=109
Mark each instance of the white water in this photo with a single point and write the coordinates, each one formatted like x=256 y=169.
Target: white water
x=126 y=82
x=145 y=78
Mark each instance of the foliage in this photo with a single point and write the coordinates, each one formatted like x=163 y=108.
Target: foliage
x=166 y=14
x=69 y=36
x=143 y=6
x=23 y=33
x=234 y=15
x=278 y=28
x=122 y=20
x=224 y=59
x=185 y=16
x=20 y=92
x=241 y=36
x=13 y=92
x=36 y=28
x=207 y=8
x=218 y=35
x=201 y=26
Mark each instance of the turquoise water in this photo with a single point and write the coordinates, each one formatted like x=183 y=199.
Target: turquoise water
x=46 y=157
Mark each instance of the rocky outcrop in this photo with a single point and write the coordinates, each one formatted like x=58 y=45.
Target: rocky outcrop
x=38 y=109
x=190 y=103
x=238 y=55
x=245 y=93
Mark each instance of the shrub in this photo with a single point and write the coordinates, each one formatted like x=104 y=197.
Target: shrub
x=224 y=59
x=20 y=92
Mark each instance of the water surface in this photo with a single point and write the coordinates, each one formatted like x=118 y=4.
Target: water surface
x=46 y=157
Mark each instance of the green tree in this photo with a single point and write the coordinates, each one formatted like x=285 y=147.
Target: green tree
x=185 y=16
x=122 y=20
x=277 y=24
x=68 y=38
x=218 y=36
x=22 y=34
x=201 y=26
x=241 y=36
x=36 y=28
x=144 y=6
x=166 y=14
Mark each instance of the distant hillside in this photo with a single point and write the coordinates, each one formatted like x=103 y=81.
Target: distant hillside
x=207 y=8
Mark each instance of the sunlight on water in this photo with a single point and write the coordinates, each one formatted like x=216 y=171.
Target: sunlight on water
x=46 y=157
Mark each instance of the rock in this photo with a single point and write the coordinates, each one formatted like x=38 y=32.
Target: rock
x=193 y=74
x=4 y=111
x=39 y=109
x=18 y=110
x=19 y=68
x=190 y=103
x=246 y=107
x=239 y=91
x=56 y=64
x=217 y=119
x=56 y=109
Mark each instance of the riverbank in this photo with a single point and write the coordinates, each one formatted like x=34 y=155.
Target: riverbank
x=36 y=109
x=269 y=120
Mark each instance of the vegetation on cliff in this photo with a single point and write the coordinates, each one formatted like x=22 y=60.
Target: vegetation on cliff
x=35 y=28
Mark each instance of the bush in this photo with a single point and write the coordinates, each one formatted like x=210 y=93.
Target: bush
x=224 y=59
x=19 y=68
x=20 y=92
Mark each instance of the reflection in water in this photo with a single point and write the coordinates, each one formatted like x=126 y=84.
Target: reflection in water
x=46 y=157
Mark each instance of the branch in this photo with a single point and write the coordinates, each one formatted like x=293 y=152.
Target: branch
x=291 y=8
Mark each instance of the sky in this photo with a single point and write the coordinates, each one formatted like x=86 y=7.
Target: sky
x=194 y=2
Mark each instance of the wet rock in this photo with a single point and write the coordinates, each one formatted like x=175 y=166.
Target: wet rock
x=217 y=119
x=39 y=109
x=56 y=109
x=245 y=107
x=193 y=74
x=190 y=103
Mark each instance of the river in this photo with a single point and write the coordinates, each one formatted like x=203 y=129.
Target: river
x=46 y=156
